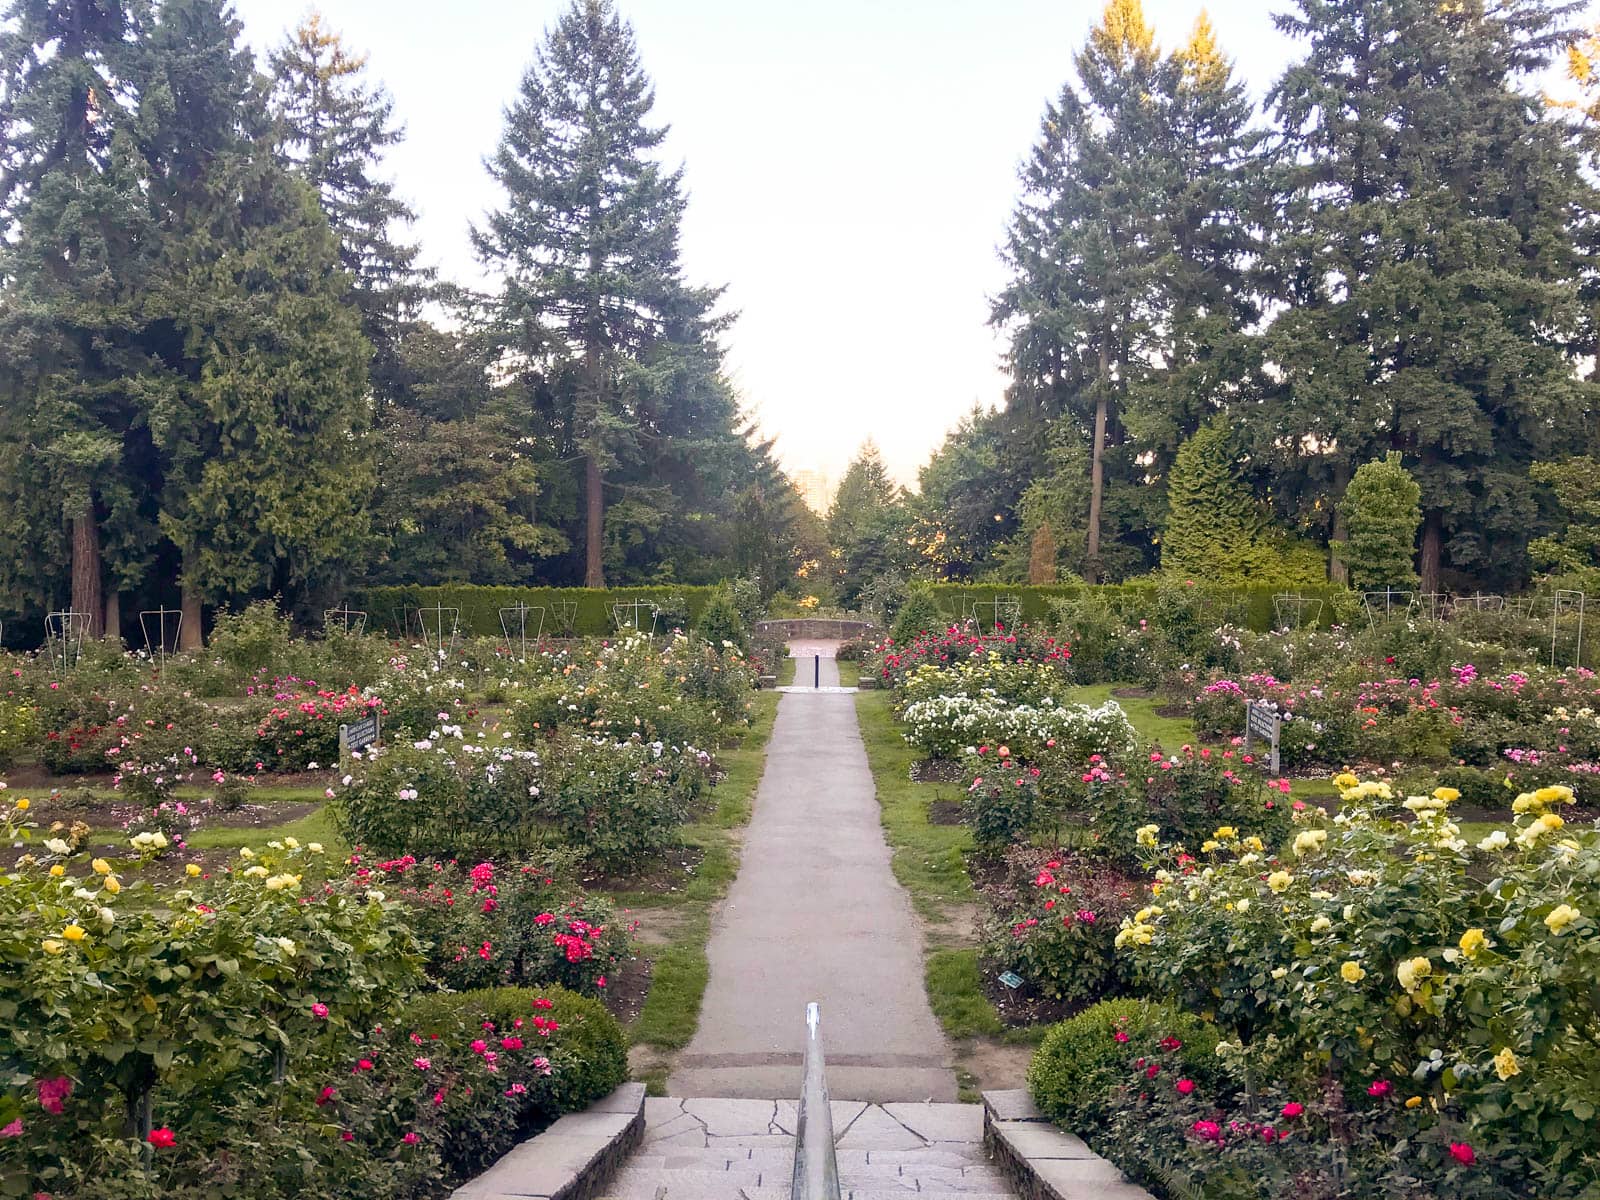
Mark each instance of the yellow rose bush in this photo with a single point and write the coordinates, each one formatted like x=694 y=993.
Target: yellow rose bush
x=1382 y=953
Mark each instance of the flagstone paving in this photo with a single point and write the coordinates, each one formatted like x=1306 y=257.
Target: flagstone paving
x=816 y=914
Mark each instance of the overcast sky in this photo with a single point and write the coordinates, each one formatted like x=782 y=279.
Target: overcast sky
x=851 y=165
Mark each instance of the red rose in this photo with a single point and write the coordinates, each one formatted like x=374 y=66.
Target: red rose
x=162 y=1138
x=1462 y=1153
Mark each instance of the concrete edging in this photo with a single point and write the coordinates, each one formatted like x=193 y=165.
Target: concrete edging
x=1043 y=1162
x=572 y=1160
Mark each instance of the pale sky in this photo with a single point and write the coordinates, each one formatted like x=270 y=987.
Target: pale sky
x=851 y=166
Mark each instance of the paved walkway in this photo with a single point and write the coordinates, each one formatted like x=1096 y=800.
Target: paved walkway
x=816 y=914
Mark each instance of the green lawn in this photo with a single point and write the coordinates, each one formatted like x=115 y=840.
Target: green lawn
x=849 y=674
x=315 y=826
x=1170 y=732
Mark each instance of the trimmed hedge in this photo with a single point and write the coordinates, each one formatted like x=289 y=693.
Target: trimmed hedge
x=390 y=608
x=1252 y=604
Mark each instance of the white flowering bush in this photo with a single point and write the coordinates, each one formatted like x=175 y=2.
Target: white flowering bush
x=943 y=726
x=1382 y=953
x=1021 y=681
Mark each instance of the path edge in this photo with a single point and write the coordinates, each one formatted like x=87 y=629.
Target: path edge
x=1043 y=1162
x=574 y=1159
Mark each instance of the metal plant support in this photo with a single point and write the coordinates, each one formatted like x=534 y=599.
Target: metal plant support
x=1290 y=611
x=567 y=616
x=1434 y=606
x=64 y=634
x=516 y=618
x=1005 y=612
x=1382 y=606
x=344 y=619
x=1567 y=601
x=154 y=622
x=440 y=628
x=629 y=614
x=1478 y=602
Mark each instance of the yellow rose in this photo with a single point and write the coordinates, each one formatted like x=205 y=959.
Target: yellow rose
x=1209 y=846
x=112 y=885
x=1146 y=834
x=1472 y=942
x=101 y=866
x=58 y=870
x=1321 y=925
x=1412 y=972
x=51 y=946
x=1279 y=881
x=1256 y=844
x=1309 y=841
x=1225 y=832
x=73 y=933
x=1414 y=1102
x=1448 y=794
x=1505 y=1064
x=24 y=804
x=1345 y=781
x=1352 y=972
x=191 y=870
x=1560 y=917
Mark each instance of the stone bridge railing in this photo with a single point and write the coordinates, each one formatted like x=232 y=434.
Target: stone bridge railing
x=819 y=628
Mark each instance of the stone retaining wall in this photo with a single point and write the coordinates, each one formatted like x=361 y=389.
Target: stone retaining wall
x=819 y=628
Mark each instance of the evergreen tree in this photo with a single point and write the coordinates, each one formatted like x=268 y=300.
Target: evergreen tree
x=593 y=298
x=969 y=492
x=70 y=269
x=1575 y=547
x=1082 y=254
x=1381 y=510
x=1216 y=528
x=1425 y=268
x=333 y=129
x=261 y=422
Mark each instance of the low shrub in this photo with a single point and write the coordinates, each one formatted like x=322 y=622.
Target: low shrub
x=945 y=726
x=1082 y=1061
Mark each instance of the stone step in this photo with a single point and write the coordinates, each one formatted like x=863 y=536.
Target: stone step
x=668 y=1187
x=925 y=1170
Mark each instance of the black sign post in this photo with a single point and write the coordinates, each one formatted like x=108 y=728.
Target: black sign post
x=1262 y=721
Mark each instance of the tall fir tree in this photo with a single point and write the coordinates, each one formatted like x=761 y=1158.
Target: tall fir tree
x=71 y=269
x=333 y=129
x=1082 y=249
x=262 y=419
x=593 y=300
x=1427 y=282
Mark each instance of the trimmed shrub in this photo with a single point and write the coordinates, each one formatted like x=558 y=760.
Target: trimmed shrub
x=919 y=614
x=1082 y=1061
x=1382 y=511
x=391 y=608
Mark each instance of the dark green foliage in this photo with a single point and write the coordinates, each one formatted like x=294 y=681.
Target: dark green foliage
x=1080 y=1062
x=1382 y=513
x=1576 y=485
x=919 y=614
x=1425 y=259
x=1216 y=530
x=719 y=621
x=392 y=608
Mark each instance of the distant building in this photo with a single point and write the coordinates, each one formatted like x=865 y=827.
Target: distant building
x=814 y=488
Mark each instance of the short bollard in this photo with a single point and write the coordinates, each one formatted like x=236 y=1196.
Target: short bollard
x=816 y=670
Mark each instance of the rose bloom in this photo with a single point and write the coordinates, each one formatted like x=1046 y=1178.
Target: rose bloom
x=1462 y=1153
x=1293 y=1109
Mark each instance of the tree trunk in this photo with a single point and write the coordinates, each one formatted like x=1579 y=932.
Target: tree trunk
x=594 y=522
x=1338 y=569
x=1097 y=472
x=87 y=597
x=113 y=616
x=190 y=632
x=1432 y=549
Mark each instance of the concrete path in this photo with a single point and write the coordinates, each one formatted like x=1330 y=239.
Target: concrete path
x=816 y=914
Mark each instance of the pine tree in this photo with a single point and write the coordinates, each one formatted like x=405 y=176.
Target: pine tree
x=1425 y=267
x=1082 y=253
x=262 y=420
x=587 y=242
x=333 y=129
x=1382 y=513
x=70 y=270
x=1198 y=358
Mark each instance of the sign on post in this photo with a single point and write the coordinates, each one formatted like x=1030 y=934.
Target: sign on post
x=358 y=735
x=1262 y=721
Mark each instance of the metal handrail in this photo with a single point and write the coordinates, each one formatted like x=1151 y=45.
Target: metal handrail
x=816 y=1167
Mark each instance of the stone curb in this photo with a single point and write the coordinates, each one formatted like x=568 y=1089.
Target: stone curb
x=572 y=1160
x=1043 y=1162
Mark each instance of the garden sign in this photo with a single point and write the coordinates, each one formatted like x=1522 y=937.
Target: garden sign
x=1262 y=721
x=358 y=735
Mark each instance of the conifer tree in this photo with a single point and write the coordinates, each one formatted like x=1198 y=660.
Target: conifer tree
x=70 y=269
x=1382 y=513
x=261 y=422
x=593 y=297
x=1424 y=266
x=1081 y=252
x=333 y=129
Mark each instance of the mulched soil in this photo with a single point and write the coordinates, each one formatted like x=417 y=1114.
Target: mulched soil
x=1022 y=1006
x=1132 y=693
x=669 y=874
x=944 y=812
x=1172 y=711
x=936 y=770
x=625 y=990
